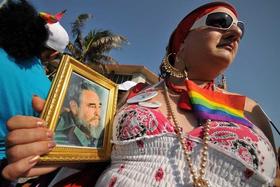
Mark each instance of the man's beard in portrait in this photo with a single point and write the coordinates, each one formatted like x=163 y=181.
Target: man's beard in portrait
x=94 y=131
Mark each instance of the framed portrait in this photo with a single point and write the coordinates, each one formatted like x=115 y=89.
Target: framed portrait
x=79 y=110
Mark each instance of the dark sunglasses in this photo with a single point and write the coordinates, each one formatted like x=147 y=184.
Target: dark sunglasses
x=218 y=20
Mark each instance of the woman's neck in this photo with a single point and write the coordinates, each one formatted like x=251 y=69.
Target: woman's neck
x=181 y=82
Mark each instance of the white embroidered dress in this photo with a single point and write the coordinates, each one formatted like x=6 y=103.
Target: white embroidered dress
x=147 y=152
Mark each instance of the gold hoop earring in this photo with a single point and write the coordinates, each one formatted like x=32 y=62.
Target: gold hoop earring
x=171 y=70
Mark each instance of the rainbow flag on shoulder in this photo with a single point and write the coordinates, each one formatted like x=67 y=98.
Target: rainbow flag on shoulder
x=217 y=106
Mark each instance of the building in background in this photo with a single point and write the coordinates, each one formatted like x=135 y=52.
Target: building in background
x=120 y=73
x=127 y=76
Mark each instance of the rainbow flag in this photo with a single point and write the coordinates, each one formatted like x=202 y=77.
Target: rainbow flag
x=217 y=106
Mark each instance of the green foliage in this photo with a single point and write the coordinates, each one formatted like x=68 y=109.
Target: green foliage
x=94 y=47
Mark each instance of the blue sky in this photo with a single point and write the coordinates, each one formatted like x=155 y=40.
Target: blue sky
x=147 y=25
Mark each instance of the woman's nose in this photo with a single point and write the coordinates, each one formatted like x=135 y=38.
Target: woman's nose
x=235 y=32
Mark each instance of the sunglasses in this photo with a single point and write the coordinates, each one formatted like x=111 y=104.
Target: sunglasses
x=218 y=20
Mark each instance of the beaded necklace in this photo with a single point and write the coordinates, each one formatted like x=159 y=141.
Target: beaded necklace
x=198 y=180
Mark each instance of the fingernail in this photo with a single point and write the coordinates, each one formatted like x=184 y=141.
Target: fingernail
x=34 y=95
x=34 y=159
x=51 y=145
x=50 y=134
x=41 y=123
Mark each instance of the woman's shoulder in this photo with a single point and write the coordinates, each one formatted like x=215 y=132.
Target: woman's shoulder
x=254 y=112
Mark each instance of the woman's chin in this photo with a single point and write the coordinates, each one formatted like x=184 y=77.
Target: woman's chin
x=223 y=59
x=225 y=55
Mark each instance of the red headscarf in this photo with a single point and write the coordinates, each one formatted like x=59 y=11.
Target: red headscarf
x=179 y=34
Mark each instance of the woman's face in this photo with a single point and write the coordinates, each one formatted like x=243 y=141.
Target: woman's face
x=206 y=52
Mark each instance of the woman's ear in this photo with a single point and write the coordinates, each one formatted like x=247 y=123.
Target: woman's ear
x=73 y=107
x=179 y=61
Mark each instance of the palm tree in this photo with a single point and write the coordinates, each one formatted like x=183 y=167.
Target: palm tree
x=92 y=49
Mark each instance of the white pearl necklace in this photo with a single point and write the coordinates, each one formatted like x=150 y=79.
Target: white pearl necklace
x=198 y=180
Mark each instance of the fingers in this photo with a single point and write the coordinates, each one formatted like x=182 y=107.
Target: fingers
x=38 y=103
x=28 y=138
x=26 y=168
x=18 y=152
x=19 y=122
x=15 y=137
x=19 y=168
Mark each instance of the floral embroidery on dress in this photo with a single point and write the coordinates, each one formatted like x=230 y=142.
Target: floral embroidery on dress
x=246 y=152
x=190 y=145
x=112 y=181
x=140 y=143
x=130 y=126
x=159 y=174
x=121 y=168
x=167 y=127
x=248 y=173
x=136 y=121
x=240 y=140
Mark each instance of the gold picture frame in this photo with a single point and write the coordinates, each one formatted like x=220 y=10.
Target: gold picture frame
x=82 y=125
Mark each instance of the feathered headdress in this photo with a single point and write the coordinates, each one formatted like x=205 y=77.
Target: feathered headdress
x=58 y=37
x=52 y=18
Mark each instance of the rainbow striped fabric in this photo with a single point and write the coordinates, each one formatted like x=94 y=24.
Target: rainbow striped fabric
x=217 y=106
